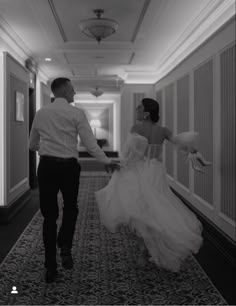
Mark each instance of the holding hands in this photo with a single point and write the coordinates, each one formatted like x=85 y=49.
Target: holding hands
x=110 y=168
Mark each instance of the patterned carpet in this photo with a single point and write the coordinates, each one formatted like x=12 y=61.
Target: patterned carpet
x=105 y=270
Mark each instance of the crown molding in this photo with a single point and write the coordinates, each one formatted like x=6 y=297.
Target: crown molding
x=16 y=46
x=141 y=77
x=13 y=41
x=42 y=76
x=211 y=19
x=191 y=30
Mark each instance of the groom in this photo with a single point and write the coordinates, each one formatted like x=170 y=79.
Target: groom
x=54 y=135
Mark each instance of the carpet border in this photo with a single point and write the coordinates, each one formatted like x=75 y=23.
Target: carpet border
x=8 y=254
x=223 y=299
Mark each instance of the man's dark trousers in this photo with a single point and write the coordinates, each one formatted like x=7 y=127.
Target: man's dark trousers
x=56 y=174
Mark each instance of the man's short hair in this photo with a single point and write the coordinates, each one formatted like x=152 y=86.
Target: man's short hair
x=58 y=83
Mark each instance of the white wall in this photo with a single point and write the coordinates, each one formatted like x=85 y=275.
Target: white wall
x=208 y=55
x=7 y=45
x=107 y=98
x=14 y=152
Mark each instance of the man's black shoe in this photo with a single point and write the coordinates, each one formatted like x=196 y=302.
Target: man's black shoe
x=66 y=258
x=50 y=275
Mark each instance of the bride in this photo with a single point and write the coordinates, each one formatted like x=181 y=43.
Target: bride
x=138 y=194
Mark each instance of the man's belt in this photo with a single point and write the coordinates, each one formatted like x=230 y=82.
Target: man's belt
x=57 y=159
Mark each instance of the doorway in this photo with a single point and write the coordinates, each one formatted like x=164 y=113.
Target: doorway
x=32 y=155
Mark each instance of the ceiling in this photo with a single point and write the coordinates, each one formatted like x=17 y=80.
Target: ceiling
x=152 y=38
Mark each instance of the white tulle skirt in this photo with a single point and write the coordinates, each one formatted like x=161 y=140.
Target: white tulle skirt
x=139 y=196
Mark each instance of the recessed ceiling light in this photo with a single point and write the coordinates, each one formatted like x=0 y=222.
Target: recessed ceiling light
x=48 y=59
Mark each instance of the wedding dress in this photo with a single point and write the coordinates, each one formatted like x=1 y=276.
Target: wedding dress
x=138 y=195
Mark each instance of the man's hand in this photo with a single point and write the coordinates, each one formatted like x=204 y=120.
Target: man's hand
x=112 y=167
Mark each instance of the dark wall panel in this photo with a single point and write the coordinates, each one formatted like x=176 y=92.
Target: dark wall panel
x=169 y=114
x=182 y=126
x=203 y=124
x=228 y=134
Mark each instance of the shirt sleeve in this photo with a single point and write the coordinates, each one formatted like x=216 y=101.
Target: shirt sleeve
x=88 y=139
x=34 y=138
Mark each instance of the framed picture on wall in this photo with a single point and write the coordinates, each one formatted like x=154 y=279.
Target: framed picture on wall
x=19 y=106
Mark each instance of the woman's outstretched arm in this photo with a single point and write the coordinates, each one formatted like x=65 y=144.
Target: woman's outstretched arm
x=183 y=140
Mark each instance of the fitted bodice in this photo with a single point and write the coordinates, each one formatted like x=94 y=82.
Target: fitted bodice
x=154 y=151
x=136 y=148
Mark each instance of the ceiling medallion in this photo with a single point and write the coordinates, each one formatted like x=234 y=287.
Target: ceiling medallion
x=98 y=28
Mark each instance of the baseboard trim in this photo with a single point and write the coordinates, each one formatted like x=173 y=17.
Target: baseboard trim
x=213 y=234
x=9 y=211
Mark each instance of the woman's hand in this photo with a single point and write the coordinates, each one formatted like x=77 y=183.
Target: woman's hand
x=198 y=161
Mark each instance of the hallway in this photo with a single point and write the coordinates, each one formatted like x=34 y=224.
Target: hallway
x=114 y=54
x=105 y=268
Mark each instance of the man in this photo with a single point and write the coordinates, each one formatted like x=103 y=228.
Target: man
x=54 y=135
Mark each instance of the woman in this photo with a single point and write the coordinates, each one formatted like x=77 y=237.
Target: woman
x=138 y=195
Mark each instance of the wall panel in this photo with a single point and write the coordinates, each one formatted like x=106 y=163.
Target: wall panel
x=18 y=132
x=203 y=124
x=159 y=100
x=228 y=134
x=211 y=70
x=182 y=126
x=169 y=122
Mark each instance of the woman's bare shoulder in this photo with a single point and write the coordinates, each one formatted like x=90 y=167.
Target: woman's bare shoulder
x=161 y=133
x=136 y=128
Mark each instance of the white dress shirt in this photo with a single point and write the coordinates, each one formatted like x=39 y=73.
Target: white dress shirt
x=55 y=131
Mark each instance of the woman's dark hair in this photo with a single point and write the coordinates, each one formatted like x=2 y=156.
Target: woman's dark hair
x=57 y=83
x=152 y=107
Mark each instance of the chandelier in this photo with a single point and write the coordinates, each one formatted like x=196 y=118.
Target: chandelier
x=98 y=28
x=96 y=92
